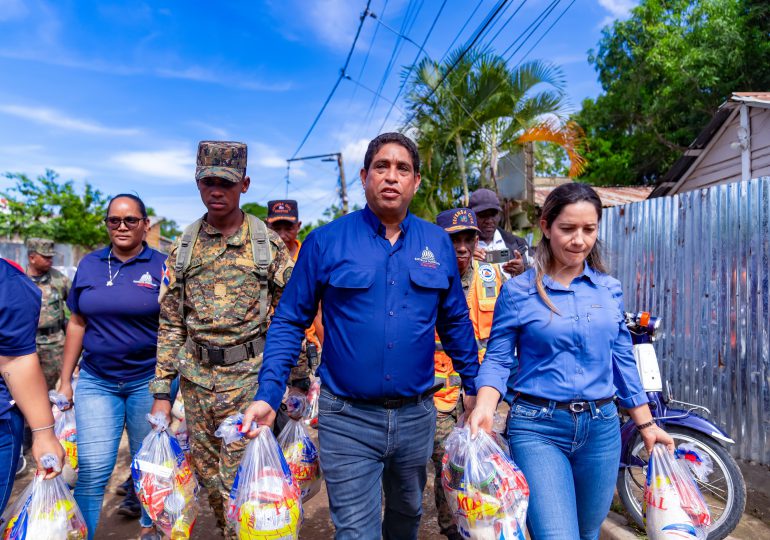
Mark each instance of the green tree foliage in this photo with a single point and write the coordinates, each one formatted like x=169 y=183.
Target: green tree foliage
x=52 y=209
x=169 y=228
x=664 y=72
x=461 y=125
x=551 y=160
x=255 y=209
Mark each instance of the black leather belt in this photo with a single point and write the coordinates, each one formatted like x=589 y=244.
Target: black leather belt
x=226 y=356
x=48 y=331
x=572 y=406
x=395 y=403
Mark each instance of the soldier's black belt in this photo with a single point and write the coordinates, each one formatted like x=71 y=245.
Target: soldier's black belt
x=48 y=331
x=396 y=403
x=225 y=356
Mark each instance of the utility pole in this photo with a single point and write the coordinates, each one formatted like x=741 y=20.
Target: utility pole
x=334 y=156
x=343 y=184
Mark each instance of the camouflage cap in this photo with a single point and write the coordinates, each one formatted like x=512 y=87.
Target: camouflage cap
x=42 y=246
x=222 y=159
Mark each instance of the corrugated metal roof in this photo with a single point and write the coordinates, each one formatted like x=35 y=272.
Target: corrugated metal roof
x=610 y=196
x=759 y=97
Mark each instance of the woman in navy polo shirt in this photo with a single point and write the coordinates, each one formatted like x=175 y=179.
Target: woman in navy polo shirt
x=22 y=385
x=114 y=305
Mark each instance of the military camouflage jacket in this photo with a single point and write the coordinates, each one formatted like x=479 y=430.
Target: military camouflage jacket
x=221 y=308
x=55 y=287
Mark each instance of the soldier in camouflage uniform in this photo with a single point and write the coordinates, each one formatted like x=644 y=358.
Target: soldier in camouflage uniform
x=55 y=287
x=481 y=284
x=214 y=315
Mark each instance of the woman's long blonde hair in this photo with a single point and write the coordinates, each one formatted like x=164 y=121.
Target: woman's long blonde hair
x=560 y=197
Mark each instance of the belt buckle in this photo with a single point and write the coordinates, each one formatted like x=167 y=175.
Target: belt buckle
x=578 y=406
x=216 y=356
x=392 y=403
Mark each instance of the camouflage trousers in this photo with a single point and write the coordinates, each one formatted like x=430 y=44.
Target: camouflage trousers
x=50 y=354
x=445 y=422
x=215 y=464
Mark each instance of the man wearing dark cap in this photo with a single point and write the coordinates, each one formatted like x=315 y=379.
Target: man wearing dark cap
x=481 y=283
x=283 y=218
x=55 y=287
x=221 y=283
x=486 y=205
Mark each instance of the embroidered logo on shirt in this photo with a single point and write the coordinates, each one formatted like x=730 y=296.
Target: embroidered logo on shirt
x=427 y=259
x=145 y=281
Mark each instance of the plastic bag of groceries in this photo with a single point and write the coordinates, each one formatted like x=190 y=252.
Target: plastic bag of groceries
x=486 y=491
x=67 y=433
x=311 y=410
x=164 y=481
x=302 y=457
x=673 y=506
x=45 y=510
x=265 y=501
x=179 y=425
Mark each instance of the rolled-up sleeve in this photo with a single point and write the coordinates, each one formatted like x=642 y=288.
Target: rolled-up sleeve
x=294 y=313
x=500 y=359
x=625 y=375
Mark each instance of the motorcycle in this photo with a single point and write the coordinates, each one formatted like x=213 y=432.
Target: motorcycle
x=724 y=490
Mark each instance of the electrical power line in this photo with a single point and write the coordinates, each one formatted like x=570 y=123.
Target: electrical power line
x=457 y=36
x=534 y=25
x=336 y=84
x=547 y=30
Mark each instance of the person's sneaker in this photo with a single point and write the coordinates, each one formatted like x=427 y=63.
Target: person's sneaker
x=21 y=466
x=130 y=507
x=123 y=488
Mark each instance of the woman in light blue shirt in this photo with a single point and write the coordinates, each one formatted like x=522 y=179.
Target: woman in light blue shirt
x=565 y=319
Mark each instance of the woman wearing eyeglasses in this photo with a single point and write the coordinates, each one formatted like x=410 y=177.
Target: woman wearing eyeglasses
x=114 y=323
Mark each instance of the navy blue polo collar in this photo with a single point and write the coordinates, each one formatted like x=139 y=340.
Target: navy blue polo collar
x=376 y=225
x=144 y=255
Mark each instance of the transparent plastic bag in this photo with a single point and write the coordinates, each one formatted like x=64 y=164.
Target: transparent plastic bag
x=265 y=501
x=296 y=403
x=179 y=424
x=164 y=482
x=67 y=433
x=45 y=510
x=302 y=457
x=311 y=411
x=486 y=491
x=673 y=506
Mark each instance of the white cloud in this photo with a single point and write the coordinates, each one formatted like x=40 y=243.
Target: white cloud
x=619 y=9
x=175 y=163
x=54 y=118
x=353 y=153
x=201 y=74
x=12 y=9
x=263 y=155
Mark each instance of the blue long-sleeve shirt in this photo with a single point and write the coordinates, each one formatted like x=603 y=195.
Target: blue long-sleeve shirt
x=380 y=304
x=582 y=353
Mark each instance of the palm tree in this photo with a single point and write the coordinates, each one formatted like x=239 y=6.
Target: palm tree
x=472 y=107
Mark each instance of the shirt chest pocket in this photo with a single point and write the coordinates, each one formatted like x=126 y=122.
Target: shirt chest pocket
x=226 y=294
x=350 y=288
x=427 y=287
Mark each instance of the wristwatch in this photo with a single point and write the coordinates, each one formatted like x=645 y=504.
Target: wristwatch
x=645 y=425
x=163 y=396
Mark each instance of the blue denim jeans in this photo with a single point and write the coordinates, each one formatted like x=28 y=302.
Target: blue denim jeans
x=11 y=435
x=365 y=449
x=102 y=409
x=571 y=463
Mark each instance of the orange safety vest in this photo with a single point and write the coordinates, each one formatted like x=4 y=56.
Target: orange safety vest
x=311 y=334
x=482 y=295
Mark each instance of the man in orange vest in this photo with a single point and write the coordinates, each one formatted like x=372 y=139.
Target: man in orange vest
x=481 y=283
x=283 y=218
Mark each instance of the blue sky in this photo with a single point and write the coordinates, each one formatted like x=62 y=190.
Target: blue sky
x=119 y=93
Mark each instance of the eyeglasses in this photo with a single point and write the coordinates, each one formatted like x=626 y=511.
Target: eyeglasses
x=131 y=222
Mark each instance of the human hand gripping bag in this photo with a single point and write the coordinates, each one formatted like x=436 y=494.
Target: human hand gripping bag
x=164 y=482
x=673 y=506
x=486 y=491
x=45 y=510
x=265 y=501
x=67 y=433
x=302 y=457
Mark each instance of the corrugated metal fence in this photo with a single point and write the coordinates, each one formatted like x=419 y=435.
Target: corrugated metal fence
x=701 y=260
x=66 y=255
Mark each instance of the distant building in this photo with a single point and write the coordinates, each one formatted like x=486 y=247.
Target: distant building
x=735 y=145
x=154 y=239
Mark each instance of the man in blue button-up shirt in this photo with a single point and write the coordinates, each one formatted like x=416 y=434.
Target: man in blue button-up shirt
x=385 y=279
